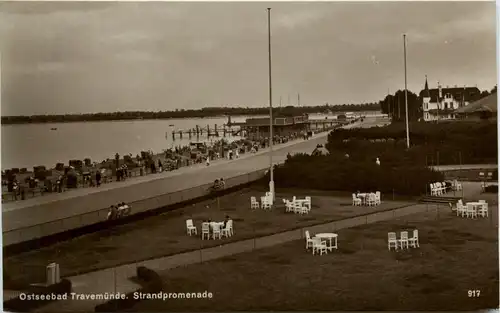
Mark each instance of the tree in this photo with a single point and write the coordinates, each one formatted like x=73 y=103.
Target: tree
x=394 y=105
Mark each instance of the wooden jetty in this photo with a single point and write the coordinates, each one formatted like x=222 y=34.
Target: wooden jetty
x=215 y=131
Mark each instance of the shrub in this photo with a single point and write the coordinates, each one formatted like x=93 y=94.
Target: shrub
x=335 y=172
x=439 y=143
x=18 y=305
x=491 y=189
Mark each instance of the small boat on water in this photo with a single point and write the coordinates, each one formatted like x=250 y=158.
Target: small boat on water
x=53 y=128
x=171 y=125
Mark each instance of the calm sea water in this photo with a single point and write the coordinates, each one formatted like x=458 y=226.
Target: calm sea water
x=31 y=145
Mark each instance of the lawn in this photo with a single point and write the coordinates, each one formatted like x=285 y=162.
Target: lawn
x=165 y=234
x=455 y=255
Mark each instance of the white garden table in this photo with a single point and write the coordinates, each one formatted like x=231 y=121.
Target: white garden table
x=329 y=237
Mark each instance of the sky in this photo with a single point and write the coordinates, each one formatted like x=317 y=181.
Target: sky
x=84 y=57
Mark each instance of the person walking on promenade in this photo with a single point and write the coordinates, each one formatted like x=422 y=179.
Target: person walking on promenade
x=98 y=178
x=208 y=160
x=160 y=166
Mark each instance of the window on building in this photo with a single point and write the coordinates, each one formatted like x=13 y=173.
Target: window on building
x=446 y=105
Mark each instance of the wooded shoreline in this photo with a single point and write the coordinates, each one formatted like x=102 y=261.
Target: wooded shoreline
x=178 y=114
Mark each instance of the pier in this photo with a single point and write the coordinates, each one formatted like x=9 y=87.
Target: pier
x=207 y=131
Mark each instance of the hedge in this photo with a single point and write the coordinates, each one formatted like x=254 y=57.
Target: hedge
x=18 y=305
x=431 y=143
x=152 y=283
x=491 y=189
x=334 y=172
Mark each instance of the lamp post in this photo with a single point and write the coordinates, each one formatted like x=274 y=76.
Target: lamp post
x=406 y=100
x=271 y=182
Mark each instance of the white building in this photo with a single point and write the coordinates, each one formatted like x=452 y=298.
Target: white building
x=441 y=103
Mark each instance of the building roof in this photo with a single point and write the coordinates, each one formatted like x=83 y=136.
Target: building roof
x=486 y=104
x=459 y=94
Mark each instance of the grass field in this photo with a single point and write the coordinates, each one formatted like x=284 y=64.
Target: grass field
x=166 y=234
x=455 y=255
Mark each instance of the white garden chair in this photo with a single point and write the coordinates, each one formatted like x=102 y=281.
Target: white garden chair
x=216 y=232
x=269 y=195
x=403 y=241
x=231 y=228
x=254 y=204
x=413 y=241
x=297 y=208
x=433 y=190
x=205 y=230
x=355 y=200
x=265 y=203
x=378 y=198
x=392 y=241
x=483 y=211
x=471 y=211
x=456 y=185
x=288 y=206
x=226 y=231
x=319 y=246
x=304 y=209
x=370 y=199
x=308 y=203
x=309 y=241
x=438 y=188
x=461 y=209
x=191 y=228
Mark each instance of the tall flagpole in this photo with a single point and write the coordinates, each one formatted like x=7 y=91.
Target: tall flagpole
x=271 y=182
x=406 y=99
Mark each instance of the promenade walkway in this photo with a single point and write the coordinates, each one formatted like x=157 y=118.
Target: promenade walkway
x=117 y=279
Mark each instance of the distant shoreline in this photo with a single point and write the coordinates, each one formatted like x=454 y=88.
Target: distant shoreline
x=182 y=114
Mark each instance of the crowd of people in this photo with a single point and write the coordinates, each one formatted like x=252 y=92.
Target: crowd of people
x=145 y=163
